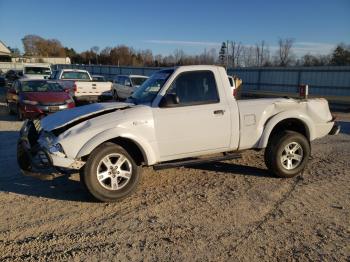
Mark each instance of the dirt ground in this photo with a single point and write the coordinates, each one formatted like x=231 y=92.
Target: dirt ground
x=231 y=210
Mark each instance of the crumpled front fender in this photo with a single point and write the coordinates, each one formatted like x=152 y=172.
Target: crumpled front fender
x=146 y=148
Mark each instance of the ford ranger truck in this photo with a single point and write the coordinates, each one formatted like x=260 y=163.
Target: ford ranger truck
x=81 y=85
x=184 y=115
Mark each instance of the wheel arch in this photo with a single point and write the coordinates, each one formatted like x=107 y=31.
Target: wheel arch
x=293 y=122
x=139 y=149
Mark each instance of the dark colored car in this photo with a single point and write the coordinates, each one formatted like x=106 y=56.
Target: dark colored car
x=2 y=81
x=37 y=98
x=13 y=75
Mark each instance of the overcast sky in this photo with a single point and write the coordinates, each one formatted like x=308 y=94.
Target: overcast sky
x=162 y=26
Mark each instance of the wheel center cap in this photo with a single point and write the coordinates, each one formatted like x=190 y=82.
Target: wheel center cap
x=115 y=171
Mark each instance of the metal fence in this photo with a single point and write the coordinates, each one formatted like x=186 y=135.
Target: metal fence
x=111 y=71
x=332 y=83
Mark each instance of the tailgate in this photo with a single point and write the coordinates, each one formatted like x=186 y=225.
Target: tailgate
x=92 y=88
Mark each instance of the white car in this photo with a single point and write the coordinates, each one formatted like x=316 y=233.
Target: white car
x=81 y=85
x=36 y=71
x=125 y=85
x=178 y=117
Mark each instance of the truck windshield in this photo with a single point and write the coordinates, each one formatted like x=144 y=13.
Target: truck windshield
x=75 y=75
x=150 y=88
x=37 y=70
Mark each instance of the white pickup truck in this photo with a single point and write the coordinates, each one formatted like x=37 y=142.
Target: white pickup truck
x=180 y=116
x=81 y=85
x=36 y=71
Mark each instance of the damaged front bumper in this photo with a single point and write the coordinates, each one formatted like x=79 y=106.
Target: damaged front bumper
x=37 y=157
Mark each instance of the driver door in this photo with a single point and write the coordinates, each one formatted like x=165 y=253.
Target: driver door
x=199 y=123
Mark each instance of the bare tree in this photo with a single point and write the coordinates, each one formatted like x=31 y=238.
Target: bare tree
x=95 y=49
x=259 y=51
x=248 y=56
x=284 y=53
x=146 y=57
x=235 y=53
x=105 y=55
x=30 y=44
x=262 y=54
x=37 y=46
x=179 y=56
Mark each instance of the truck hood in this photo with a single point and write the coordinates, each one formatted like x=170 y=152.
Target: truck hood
x=76 y=115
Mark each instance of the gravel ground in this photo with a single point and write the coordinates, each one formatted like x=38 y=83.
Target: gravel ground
x=231 y=210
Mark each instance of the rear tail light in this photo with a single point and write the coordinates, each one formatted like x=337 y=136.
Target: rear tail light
x=304 y=91
x=234 y=92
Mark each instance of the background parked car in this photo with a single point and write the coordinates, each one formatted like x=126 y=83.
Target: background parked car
x=36 y=71
x=99 y=78
x=36 y=98
x=2 y=81
x=82 y=87
x=125 y=85
x=12 y=75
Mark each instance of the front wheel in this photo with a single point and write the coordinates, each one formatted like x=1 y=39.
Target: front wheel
x=287 y=154
x=9 y=110
x=19 y=114
x=115 y=95
x=110 y=173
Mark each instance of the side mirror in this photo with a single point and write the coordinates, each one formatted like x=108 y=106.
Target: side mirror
x=169 y=100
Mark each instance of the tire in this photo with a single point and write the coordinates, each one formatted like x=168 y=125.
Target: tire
x=23 y=159
x=115 y=95
x=112 y=181
x=19 y=114
x=287 y=154
x=10 y=111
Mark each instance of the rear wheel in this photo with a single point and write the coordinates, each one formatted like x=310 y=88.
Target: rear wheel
x=287 y=154
x=110 y=173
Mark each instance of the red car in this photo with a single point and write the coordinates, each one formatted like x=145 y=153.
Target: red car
x=36 y=98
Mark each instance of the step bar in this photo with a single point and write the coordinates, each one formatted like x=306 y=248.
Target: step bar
x=195 y=161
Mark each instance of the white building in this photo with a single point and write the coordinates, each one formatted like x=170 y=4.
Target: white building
x=5 y=52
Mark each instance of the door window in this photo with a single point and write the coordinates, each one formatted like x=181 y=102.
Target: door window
x=127 y=82
x=195 y=88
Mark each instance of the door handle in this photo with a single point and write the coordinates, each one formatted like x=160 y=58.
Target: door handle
x=219 y=112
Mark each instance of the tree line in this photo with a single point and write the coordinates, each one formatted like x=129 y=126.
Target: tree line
x=231 y=54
